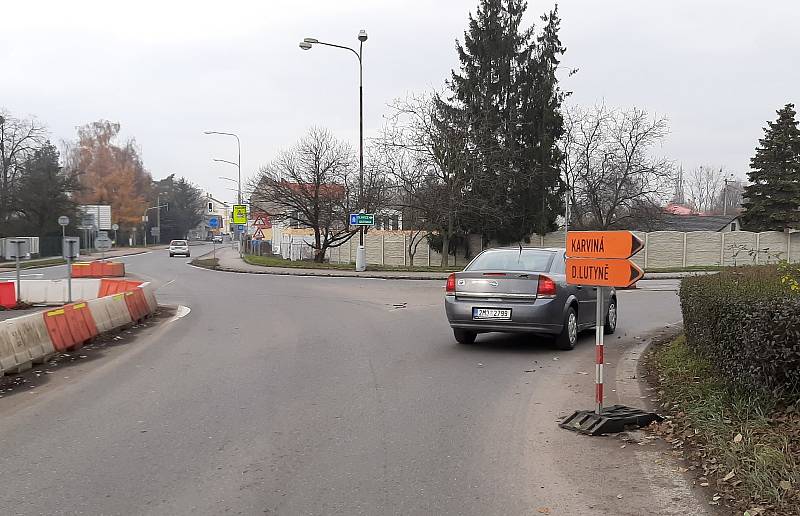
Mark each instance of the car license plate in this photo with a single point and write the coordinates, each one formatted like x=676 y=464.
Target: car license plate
x=491 y=313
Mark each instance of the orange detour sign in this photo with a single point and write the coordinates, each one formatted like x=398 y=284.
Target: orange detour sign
x=602 y=244
x=602 y=273
x=600 y=259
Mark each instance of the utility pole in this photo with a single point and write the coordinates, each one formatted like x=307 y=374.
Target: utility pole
x=725 y=194
x=158 y=217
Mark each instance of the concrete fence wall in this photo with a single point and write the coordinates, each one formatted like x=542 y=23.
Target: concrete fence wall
x=396 y=248
x=663 y=249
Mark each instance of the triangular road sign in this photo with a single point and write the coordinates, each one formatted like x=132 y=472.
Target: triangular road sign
x=259 y=222
x=258 y=234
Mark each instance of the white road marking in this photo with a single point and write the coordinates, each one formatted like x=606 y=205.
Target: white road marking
x=183 y=311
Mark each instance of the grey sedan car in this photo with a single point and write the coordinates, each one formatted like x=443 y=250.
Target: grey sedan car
x=523 y=290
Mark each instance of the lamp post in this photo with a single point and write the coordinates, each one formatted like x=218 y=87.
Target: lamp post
x=238 y=166
x=726 y=180
x=306 y=44
x=238 y=163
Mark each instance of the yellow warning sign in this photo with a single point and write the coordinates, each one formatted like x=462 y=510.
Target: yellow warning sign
x=239 y=214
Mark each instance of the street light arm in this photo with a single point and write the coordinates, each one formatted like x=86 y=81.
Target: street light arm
x=220 y=132
x=228 y=162
x=358 y=56
x=238 y=159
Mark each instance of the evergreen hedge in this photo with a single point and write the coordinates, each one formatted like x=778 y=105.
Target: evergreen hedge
x=747 y=322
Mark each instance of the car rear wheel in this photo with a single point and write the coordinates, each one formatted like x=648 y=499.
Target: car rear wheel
x=611 y=318
x=569 y=333
x=171 y=255
x=464 y=336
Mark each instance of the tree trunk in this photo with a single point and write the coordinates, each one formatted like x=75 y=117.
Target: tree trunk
x=446 y=241
x=319 y=252
x=412 y=250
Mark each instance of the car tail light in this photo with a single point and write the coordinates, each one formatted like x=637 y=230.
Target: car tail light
x=546 y=287
x=450 y=287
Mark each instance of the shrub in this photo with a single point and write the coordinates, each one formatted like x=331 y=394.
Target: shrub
x=747 y=322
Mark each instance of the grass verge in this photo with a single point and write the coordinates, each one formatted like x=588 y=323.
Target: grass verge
x=208 y=263
x=274 y=261
x=741 y=444
x=46 y=262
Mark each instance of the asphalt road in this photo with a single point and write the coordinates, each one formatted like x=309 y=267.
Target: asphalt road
x=298 y=395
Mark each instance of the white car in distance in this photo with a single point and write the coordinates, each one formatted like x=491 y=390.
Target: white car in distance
x=179 y=247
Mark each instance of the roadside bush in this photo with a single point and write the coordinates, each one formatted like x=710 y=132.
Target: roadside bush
x=747 y=322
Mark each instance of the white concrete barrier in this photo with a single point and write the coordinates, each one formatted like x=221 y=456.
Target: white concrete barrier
x=55 y=292
x=85 y=289
x=150 y=296
x=31 y=334
x=13 y=357
x=110 y=312
x=25 y=340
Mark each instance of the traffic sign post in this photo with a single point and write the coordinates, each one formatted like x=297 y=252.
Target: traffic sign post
x=63 y=221
x=598 y=272
x=102 y=243
x=362 y=219
x=71 y=249
x=16 y=248
x=239 y=214
x=600 y=259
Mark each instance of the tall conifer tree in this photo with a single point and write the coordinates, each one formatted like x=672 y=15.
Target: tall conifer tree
x=773 y=195
x=508 y=91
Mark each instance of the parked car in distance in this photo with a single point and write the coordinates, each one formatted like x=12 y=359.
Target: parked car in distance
x=217 y=239
x=179 y=247
x=518 y=290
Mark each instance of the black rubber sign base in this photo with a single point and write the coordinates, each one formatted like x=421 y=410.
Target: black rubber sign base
x=611 y=420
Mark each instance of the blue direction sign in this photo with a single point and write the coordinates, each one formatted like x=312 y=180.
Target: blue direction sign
x=213 y=222
x=362 y=219
x=241 y=227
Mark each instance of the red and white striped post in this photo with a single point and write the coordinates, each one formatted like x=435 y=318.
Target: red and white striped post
x=598 y=361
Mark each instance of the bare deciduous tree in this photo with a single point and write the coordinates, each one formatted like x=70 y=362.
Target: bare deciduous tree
x=428 y=155
x=19 y=139
x=703 y=187
x=315 y=185
x=614 y=177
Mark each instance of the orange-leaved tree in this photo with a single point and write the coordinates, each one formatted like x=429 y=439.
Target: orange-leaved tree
x=110 y=173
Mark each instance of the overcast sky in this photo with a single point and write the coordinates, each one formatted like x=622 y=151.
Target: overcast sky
x=168 y=70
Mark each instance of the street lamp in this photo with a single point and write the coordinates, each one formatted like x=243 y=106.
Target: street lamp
x=730 y=178
x=306 y=44
x=238 y=163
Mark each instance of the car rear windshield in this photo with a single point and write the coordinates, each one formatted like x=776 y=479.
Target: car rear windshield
x=533 y=260
x=178 y=242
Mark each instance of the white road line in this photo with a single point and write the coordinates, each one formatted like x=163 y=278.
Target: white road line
x=183 y=311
